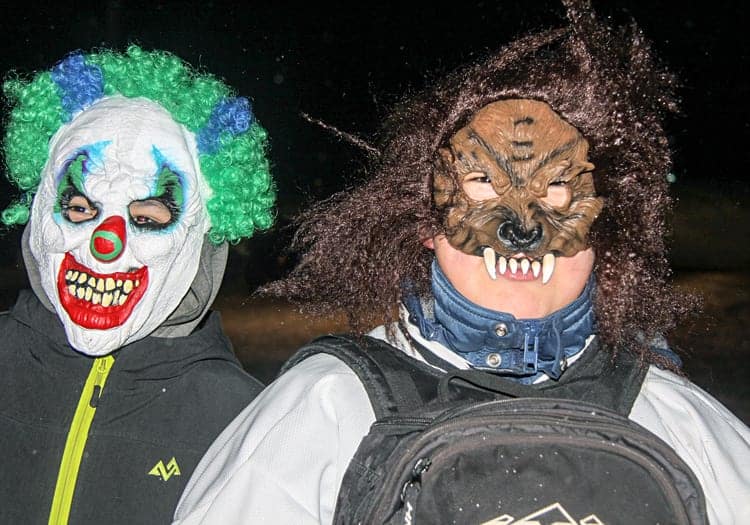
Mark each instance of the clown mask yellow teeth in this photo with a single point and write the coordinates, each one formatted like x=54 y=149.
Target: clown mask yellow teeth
x=516 y=189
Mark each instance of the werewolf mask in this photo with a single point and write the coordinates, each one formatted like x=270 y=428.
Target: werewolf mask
x=516 y=188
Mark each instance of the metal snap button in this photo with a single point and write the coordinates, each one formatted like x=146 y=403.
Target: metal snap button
x=494 y=360
x=501 y=329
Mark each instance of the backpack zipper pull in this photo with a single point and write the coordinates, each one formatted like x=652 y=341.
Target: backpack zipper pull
x=420 y=467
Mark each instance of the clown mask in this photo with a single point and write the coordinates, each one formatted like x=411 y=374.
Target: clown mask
x=517 y=189
x=118 y=221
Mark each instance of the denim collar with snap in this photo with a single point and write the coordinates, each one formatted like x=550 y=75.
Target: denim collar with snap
x=497 y=341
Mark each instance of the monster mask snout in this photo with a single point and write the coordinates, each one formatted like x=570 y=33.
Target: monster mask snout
x=517 y=238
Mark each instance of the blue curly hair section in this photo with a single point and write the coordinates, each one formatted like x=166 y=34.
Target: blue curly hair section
x=231 y=143
x=80 y=84
x=232 y=116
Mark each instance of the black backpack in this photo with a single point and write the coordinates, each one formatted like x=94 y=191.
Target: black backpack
x=469 y=447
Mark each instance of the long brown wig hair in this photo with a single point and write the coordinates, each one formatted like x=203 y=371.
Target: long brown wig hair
x=358 y=248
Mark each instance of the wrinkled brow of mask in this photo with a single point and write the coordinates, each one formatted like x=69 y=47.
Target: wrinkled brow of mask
x=518 y=139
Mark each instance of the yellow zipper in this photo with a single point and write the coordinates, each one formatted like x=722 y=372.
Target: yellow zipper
x=76 y=442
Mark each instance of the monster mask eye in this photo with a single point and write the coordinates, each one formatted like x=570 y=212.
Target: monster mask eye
x=163 y=208
x=72 y=202
x=558 y=194
x=478 y=186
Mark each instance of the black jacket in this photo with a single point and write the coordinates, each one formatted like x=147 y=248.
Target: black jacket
x=163 y=403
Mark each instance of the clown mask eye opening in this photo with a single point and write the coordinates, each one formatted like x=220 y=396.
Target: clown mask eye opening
x=77 y=208
x=163 y=208
x=558 y=194
x=151 y=214
x=478 y=186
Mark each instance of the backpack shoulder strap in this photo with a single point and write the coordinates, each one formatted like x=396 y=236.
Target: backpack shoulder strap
x=395 y=383
x=602 y=379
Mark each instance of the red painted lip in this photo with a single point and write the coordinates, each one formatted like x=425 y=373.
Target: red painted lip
x=89 y=315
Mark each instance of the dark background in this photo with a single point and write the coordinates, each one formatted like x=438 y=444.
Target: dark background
x=345 y=63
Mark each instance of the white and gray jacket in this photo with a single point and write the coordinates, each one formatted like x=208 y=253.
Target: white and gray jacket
x=283 y=458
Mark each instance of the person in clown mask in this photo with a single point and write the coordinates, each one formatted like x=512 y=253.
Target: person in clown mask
x=136 y=171
x=511 y=226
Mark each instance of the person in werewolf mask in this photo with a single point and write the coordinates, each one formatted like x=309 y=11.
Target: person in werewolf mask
x=137 y=169
x=513 y=222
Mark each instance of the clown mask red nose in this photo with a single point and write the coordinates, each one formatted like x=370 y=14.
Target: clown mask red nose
x=108 y=240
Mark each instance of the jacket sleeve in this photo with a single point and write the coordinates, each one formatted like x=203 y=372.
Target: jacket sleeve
x=709 y=438
x=283 y=458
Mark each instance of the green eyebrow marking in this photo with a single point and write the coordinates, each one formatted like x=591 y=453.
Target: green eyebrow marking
x=169 y=184
x=71 y=181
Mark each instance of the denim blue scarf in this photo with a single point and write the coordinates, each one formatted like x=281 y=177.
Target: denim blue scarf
x=497 y=341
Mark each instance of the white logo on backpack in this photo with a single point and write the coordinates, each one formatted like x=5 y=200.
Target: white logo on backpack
x=408 y=517
x=554 y=514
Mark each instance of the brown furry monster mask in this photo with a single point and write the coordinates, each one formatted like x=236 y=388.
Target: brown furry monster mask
x=518 y=189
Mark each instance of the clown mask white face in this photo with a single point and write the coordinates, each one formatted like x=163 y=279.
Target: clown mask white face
x=118 y=221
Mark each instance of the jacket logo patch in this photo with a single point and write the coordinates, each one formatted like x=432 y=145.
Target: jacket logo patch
x=553 y=514
x=160 y=471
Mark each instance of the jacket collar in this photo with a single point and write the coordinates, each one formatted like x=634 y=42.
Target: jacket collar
x=148 y=361
x=497 y=341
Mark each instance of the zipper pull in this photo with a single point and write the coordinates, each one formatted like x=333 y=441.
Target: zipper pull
x=103 y=366
x=415 y=483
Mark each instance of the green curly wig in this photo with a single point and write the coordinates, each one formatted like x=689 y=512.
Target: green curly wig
x=231 y=144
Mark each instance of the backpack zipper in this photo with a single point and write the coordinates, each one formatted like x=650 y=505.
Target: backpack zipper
x=76 y=441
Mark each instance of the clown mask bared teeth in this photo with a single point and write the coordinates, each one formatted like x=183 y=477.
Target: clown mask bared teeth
x=118 y=222
x=516 y=189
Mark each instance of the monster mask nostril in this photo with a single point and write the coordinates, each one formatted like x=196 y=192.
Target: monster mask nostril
x=517 y=238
